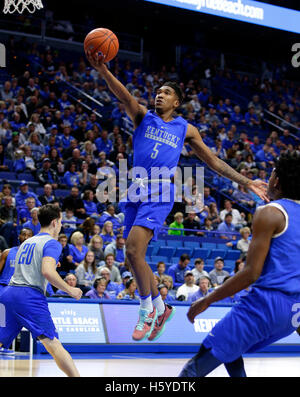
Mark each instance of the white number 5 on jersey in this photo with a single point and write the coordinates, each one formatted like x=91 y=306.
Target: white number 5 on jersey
x=155 y=151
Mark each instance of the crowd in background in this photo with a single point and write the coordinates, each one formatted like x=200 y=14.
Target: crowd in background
x=48 y=138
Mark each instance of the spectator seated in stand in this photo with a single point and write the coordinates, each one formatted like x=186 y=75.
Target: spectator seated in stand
x=198 y=270
x=99 y=289
x=244 y=242
x=125 y=277
x=24 y=214
x=165 y=295
x=160 y=269
x=65 y=259
x=204 y=289
x=129 y=293
x=48 y=195
x=186 y=290
x=111 y=287
x=109 y=215
x=107 y=233
x=78 y=249
x=109 y=263
x=238 y=219
x=117 y=248
x=33 y=223
x=86 y=272
x=70 y=279
x=23 y=194
x=217 y=275
x=177 y=271
x=68 y=216
x=178 y=224
x=96 y=246
x=228 y=229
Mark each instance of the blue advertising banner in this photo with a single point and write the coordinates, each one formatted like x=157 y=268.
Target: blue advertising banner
x=78 y=323
x=242 y=10
x=82 y=325
x=120 y=322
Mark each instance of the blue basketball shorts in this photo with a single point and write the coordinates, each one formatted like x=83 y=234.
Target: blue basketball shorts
x=149 y=214
x=257 y=320
x=24 y=307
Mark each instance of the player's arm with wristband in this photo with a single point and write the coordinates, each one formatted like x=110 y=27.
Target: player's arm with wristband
x=205 y=154
x=50 y=273
x=267 y=222
x=134 y=110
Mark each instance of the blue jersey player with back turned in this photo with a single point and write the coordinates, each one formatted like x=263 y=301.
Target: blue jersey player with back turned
x=23 y=302
x=7 y=268
x=271 y=309
x=157 y=142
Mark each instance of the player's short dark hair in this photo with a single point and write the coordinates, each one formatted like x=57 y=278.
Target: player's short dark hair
x=287 y=169
x=47 y=213
x=176 y=88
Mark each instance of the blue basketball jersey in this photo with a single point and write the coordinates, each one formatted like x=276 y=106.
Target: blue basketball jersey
x=9 y=267
x=281 y=269
x=157 y=143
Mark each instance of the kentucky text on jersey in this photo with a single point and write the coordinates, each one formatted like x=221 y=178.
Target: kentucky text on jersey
x=161 y=135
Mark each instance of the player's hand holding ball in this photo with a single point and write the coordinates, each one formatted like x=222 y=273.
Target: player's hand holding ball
x=100 y=45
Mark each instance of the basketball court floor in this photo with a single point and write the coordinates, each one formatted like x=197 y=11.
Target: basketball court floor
x=142 y=365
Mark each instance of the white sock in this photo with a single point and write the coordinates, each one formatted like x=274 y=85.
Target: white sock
x=159 y=304
x=146 y=303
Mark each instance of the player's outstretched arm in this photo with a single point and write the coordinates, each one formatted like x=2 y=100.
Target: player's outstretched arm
x=50 y=273
x=205 y=154
x=267 y=222
x=134 y=110
x=3 y=259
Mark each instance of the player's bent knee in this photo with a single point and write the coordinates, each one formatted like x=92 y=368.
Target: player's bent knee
x=50 y=344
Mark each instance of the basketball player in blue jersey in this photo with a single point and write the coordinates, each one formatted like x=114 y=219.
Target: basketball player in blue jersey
x=7 y=259
x=23 y=302
x=7 y=268
x=271 y=309
x=157 y=142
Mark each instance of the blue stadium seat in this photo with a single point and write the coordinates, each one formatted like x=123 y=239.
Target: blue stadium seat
x=209 y=262
x=208 y=268
x=192 y=244
x=157 y=258
x=154 y=248
x=183 y=250
x=210 y=246
x=68 y=231
x=150 y=249
x=230 y=264
x=223 y=246
x=62 y=193
x=166 y=251
x=201 y=253
x=26 y=176
x=175 y=260
x=233 y=255
x=39 y=191
x=8 y=175
x=174 y=243
x=217 y=252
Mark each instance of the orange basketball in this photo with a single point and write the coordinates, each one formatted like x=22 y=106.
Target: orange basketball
x=103 y=42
